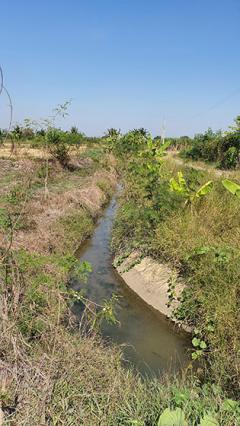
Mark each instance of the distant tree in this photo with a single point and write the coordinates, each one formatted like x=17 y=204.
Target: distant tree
x=28 y=133
x=237 y=123
x=142 y=132
x=41 y=132
x=112 y=133
x=15 y=135
x=74 y=130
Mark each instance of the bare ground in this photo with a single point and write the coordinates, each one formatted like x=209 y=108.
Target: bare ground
x=150 y=280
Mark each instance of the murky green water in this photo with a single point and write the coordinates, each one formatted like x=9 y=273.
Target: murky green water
x=150 y=342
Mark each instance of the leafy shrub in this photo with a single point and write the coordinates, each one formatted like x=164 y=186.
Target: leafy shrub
x=203 y=146
x=229 y=159
x=59 y=144
x=131 y=142
x=215 y=147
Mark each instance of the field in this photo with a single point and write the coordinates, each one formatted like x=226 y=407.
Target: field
x=52 y=371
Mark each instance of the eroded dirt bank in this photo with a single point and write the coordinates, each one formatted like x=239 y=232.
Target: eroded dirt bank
x=151 y=281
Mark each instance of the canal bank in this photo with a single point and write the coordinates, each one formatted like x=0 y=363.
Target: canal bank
x=150 y=343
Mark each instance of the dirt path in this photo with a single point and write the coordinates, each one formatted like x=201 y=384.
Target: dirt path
x=199 y=165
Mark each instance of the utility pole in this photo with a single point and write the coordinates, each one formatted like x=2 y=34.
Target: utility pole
x=163 y=131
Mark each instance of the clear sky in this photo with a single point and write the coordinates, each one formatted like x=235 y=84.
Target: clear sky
x=124 y=63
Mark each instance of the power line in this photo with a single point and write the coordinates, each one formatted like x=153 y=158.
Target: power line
x=218 y=103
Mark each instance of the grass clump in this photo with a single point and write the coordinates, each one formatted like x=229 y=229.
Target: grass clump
x=78 y=226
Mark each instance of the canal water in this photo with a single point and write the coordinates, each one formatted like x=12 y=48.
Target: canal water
x=150 y=343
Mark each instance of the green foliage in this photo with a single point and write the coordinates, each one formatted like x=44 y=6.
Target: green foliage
x=82 y=270
x=231 y=406
x=132 y=142
x=223 y=149
x=5 y=221
x=16 y=194
x=171 y=288
x=203 y=146
x=74 y=130
x=17 y=133
x=78 y=226
x=202 y=244
x=229 y=158
x=31 y=327
x=180 y=186
x=199 y=345
x=172 y=418
x=220 y=255
x=94 y=154
x=58 y=146
x=94 y=312
x=113 y=133
x=232 y=187
x=112 y=139
x=204 y=190
x=208 y=420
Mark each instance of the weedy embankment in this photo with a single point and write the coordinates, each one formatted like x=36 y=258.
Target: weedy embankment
x=52 y=373
x=39 y=234
x=192 y=223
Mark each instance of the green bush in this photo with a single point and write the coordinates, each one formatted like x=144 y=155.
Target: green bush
x=59 y=144
x=229 y=158
x=132 y=142
x=215 y=147
x=203 y=146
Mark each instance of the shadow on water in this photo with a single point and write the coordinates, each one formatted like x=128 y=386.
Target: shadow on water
x=150 y=343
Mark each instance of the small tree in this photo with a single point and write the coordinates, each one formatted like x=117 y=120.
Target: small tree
x=15 y=135
x=74 y=130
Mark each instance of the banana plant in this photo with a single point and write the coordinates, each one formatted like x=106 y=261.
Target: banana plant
x=232 y=187
x=180 y=186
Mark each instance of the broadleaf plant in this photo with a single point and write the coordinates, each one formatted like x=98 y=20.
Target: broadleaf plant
x=180 y=186
x=232 y=187
x=172 y=418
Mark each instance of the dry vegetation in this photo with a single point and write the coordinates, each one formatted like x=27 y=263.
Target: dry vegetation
x=51 y=372
x=38 y=238
x=24 y=150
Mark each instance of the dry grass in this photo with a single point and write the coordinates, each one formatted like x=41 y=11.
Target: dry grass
x=32 y=302
x=213 y=278
x=68 y=193
x=25 y=151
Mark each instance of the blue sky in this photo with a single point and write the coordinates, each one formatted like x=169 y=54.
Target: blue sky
x=125 y=64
